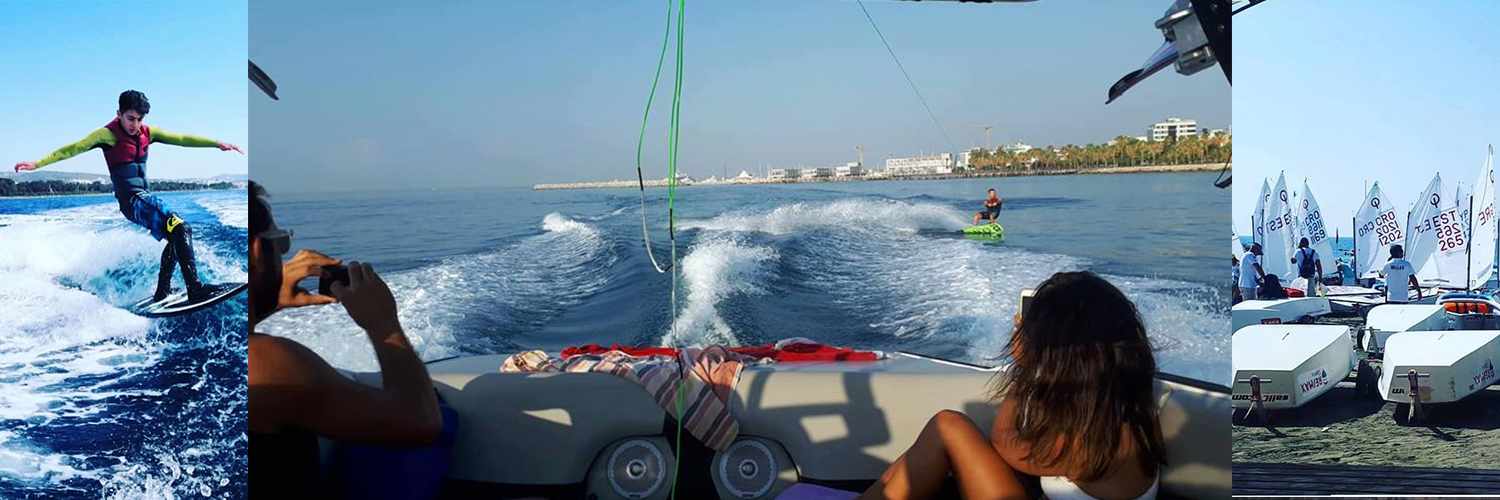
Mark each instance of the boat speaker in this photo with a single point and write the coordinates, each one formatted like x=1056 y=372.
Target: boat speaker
x=753 y=468
x=633 y=469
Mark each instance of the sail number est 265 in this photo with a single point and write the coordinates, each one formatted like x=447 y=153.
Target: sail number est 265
x=1277 y=223
x=1450 y=233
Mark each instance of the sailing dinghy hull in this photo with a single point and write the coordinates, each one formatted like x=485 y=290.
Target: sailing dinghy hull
x=1454 y=364
x=1279 y=311
x=1296 y=363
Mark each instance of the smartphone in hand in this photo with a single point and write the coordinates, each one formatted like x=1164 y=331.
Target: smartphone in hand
x=1026 y=295
x=331 y=275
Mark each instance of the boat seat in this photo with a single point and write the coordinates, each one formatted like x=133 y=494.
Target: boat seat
x=837 y=421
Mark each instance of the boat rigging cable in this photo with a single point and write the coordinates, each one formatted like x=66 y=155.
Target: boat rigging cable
x=673 y=133
x=909 y=81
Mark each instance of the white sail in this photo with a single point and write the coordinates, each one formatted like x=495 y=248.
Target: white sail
x=1258 y=219
x=1277 y=248
x=1435 y=237
x=1236 y=247
x=1461 y=200
x=1310 y=225
x=1486 y=234
x=1377 y=227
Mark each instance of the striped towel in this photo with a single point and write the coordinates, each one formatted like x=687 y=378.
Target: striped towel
x=711 y=375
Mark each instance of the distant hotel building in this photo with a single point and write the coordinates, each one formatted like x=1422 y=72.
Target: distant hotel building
x=784 y=173
x=851 y=169
x=965 y=157
x=817 y=173
x=1017 y=148
x=1173 y=129
x=920 y=165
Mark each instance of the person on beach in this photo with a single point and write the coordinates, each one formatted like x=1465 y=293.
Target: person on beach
x=1398 y=273
x=295 y=397
x=1308 y=266
x=1251 y=274
x=1107 y=445
x=125 y=141
x=1234 y=279
x=991 y=210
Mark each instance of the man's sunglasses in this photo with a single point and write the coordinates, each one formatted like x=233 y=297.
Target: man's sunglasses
x=280 y=239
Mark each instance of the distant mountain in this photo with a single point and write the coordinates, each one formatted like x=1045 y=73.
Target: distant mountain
x=53 y=175
x=58 y=175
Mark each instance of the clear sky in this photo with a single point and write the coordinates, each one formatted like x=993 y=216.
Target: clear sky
x=65 y=64
x=1345 y=92
x=415 y=95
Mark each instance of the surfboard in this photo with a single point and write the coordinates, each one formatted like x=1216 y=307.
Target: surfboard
x=179 y=303
x=990 y=230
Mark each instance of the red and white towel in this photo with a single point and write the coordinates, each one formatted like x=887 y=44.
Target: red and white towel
x=706 y=377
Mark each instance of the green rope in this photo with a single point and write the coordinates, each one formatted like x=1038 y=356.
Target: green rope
x=673 y=135
x=640 y=142
x=672 y=233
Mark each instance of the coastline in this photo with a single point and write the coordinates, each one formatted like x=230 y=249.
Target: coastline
x=68 y=195
x=1143 y=169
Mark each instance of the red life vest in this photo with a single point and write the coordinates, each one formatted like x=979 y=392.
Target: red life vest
x=127 y=149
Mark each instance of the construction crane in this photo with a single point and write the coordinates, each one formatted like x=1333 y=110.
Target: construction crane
x=986 y=135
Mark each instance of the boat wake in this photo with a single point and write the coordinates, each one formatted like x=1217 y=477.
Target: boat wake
x=470 y=303
x=887 y=277
x=94 y=399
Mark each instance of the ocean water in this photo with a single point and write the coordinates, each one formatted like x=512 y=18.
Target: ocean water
x=96 y=402
x=876 y=265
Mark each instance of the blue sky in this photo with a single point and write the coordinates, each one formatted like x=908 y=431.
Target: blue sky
x=67 y=63
x=1345 y=92
x=413 y=95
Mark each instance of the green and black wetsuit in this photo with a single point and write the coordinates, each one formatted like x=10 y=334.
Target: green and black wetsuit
x=125 y=154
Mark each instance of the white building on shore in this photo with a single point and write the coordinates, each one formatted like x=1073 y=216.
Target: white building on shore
x=817 y=173
x=1173 y=129
x=920 y=165
x=851 y=169
x=784 y=173
x=744 y=177
x=1017 y=148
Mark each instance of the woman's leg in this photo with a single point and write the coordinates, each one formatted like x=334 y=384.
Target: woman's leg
x=950 y=443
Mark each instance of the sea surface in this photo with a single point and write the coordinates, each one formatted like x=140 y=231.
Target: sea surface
x=875 y=265
x=96 y=402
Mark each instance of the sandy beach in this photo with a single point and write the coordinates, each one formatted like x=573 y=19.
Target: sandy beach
x=1346 y=427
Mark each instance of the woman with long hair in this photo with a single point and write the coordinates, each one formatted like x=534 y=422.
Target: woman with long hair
x=1076 y=409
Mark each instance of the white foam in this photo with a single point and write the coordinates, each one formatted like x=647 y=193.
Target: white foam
x=233 y=211
x=65 y=344
x=543 y=274
x=712 y=271
x=942 y=293
x=886 y=215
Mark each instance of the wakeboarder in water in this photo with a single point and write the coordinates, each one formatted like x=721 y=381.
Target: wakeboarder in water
x=125 y=141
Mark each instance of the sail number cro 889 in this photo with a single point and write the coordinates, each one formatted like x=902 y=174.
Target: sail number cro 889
x=1314 y=223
